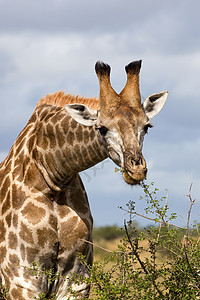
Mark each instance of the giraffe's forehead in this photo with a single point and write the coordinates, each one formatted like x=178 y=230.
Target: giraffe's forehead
x=124 y=116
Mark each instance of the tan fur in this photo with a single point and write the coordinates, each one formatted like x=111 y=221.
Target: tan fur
x=60 y=99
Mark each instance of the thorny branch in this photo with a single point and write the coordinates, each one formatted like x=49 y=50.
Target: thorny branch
x=152 y=200
x=189 y=212
x=104 y=249
x=151 y=219
x=192 y=270
x=160 y=226
x=134 y=252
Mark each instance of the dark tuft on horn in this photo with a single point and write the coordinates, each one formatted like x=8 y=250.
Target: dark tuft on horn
x=102 y=69
x=133 y=67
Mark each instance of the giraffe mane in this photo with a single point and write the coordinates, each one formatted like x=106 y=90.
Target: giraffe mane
x=60 y=99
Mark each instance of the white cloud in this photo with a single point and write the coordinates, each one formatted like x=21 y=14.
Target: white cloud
x=47 y=46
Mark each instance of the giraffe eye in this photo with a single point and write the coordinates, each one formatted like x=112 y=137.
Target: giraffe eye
x=103 y=130
x=146 y=127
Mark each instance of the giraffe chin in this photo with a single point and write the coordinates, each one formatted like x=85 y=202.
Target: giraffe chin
x=131 y=179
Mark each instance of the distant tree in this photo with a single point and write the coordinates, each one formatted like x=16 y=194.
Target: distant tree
x=107 y=233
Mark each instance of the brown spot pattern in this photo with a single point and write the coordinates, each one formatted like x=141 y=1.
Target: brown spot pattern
x=53 y=222
x=14 y=260
x=30 y=142
x=79 y=133
x=12 y=240
x=22 y=251
x=26 y=234
x=6 y=205
x=71 y=231
x=58 y=155
x=17 y=294
x=15 y=220
x=65 y=125
x=73 y=124
x=60 y=136
x=42 y=139
x=46 y=236
x=32 y=254
x=86 y=137
x=51 y=135
x=63 y=211
x=92 y=134
x=91 y=151
x=8 y=163
x=20 y=143
x=8 y=219
x=33 y=213
x=32 y=118
x=18 y=171
x=9 y=273
x=48 y=203
x=70 y=138
x=14 y=264
x=4 y=188
x=2 y=254
x=18 y=196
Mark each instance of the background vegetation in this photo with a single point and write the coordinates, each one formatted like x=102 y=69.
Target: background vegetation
x=158 y=262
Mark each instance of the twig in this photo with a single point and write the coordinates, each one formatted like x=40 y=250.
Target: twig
x=151 y=219
x=139 y=260
x=198 y=235
x=104 y=249
x=160 y=226
x=134 y=251
x=189 y=212
x=193 y=273
x=152 y=200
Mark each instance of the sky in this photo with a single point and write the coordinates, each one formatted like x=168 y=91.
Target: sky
x=52 y=45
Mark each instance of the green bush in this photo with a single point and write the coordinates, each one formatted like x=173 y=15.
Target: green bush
x=170 y=268
x=175 y=275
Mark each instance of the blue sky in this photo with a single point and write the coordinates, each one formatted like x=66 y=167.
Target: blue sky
x=46 y=46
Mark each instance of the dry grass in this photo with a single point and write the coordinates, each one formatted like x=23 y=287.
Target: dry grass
x=112 y=245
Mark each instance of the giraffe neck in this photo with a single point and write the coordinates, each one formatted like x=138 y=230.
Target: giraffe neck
x=63 y=147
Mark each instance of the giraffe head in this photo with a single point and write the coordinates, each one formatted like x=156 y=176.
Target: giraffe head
x=122 y=120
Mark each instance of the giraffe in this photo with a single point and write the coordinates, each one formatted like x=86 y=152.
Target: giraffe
x=44 y=211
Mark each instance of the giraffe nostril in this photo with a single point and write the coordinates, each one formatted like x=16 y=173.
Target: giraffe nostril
x=137 y=162
x=141 y=161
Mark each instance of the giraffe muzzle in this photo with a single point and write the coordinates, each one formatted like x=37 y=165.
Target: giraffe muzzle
x=135 y=169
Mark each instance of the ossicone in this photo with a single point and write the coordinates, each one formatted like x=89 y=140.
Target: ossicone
x=134 y=67
x=102 y=68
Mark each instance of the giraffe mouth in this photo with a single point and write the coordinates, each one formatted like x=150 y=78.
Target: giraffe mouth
x=135 y=169
x=133 y=178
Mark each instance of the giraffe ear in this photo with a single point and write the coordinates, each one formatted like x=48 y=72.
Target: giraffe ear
x=82 y=114
x=153 y=104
